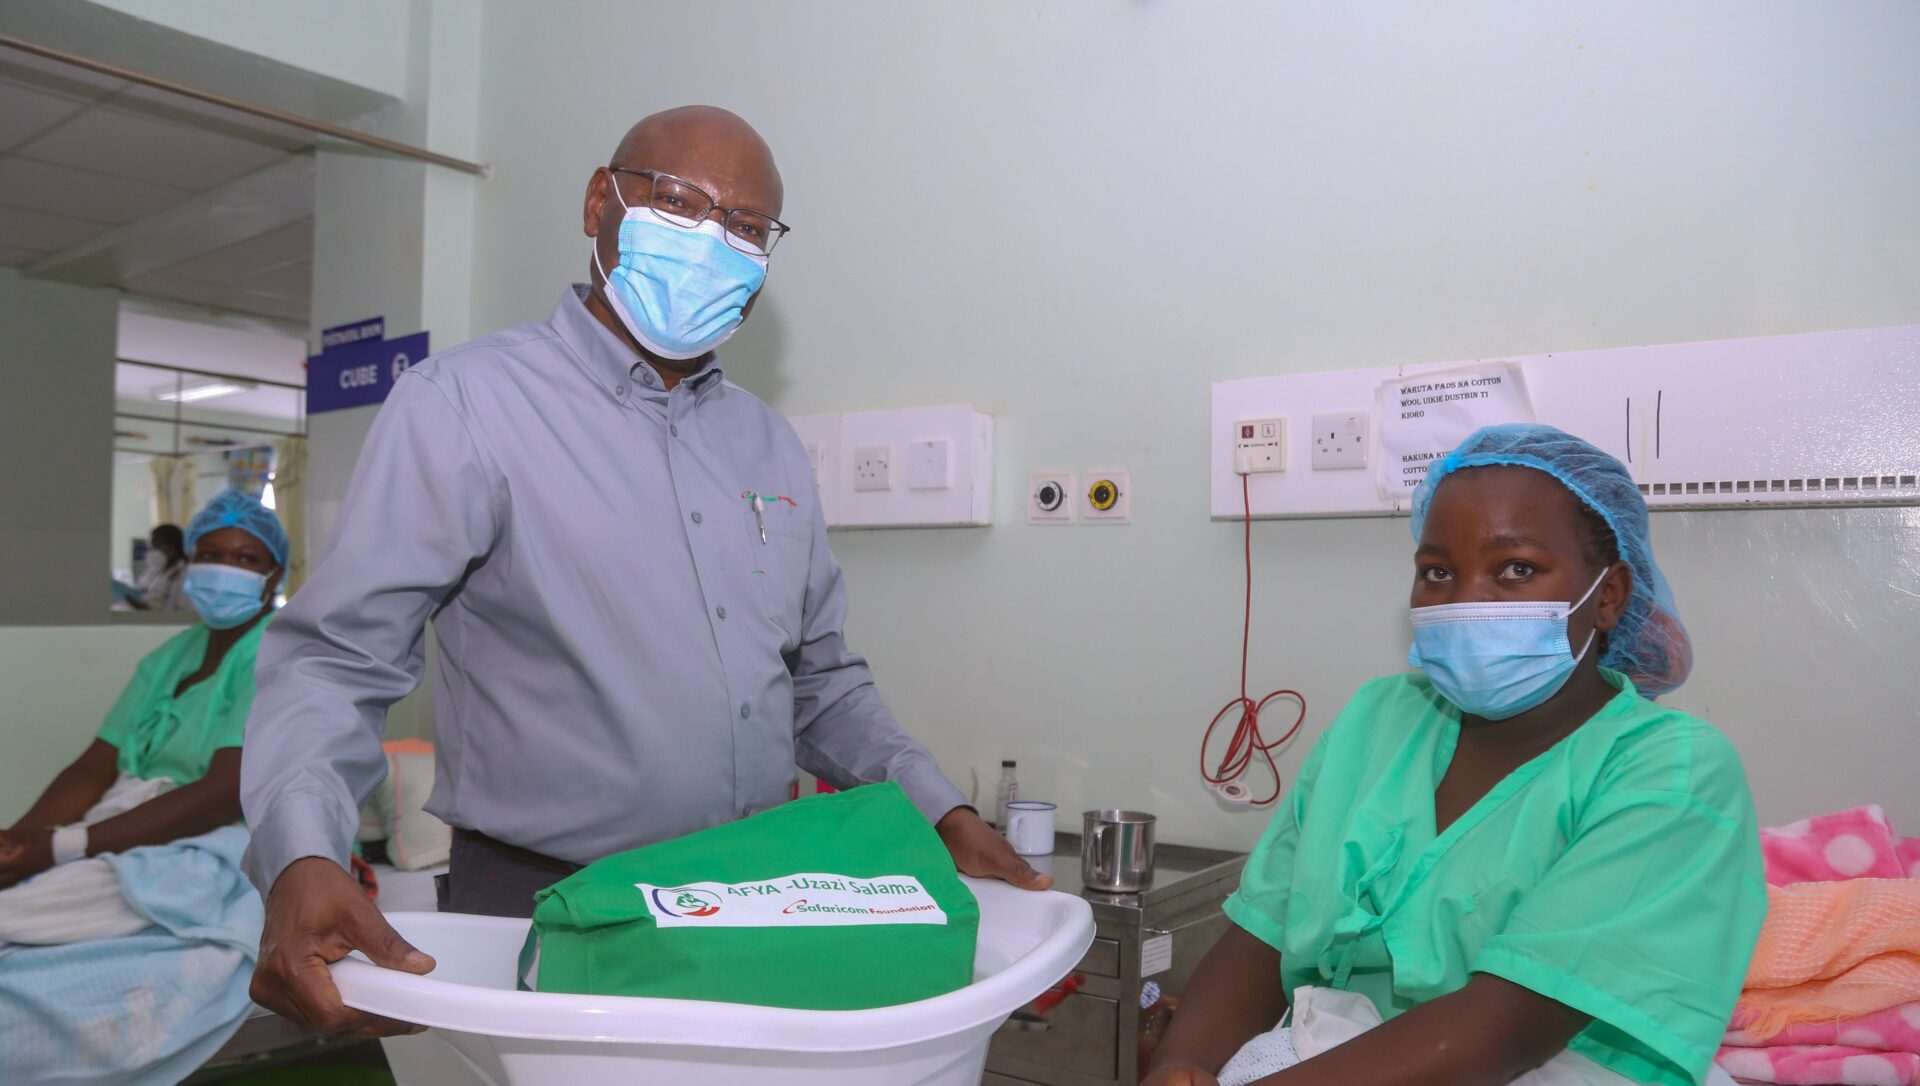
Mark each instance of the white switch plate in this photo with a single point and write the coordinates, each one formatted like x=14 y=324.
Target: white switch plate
x=1050 y=497
x=851 y=496
x=930 y=465
x=873 y=467
x=1340 y=440
x=1110 y=487
x=1260 y=445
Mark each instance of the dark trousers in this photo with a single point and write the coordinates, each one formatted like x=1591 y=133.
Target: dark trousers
x=492 y=878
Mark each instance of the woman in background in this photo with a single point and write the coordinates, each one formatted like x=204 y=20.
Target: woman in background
x=170 y=748
x=1512 y=857
x=159 y=586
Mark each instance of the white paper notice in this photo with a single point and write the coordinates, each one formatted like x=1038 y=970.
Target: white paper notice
x=1156 y=954
x=1424 y=417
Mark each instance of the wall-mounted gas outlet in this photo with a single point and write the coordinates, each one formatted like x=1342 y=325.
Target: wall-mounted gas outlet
x=1109 y=494
x=873 y=467
x=930 y=465
x=1340 y=440
x=1050 y=497
x=1259 y=445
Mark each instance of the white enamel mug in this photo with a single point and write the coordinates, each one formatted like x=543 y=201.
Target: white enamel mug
x=1030 y=827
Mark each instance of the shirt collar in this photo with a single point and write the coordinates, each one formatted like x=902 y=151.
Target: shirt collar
x=612 y=364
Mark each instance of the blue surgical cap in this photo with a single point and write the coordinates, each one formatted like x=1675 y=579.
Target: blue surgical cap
x=1650 y=646
x=233 y=509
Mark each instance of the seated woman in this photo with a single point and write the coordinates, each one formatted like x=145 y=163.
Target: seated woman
x=158 y=588
x=180 y=718
x=1513 y=854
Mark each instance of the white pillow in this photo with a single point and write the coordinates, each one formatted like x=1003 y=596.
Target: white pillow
x=415 y=839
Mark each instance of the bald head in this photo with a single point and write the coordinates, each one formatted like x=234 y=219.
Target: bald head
x=712 y=148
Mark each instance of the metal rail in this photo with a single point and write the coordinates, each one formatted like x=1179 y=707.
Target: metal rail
x=278 y=116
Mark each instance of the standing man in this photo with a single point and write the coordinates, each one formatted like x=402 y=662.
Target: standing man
x=633 y=646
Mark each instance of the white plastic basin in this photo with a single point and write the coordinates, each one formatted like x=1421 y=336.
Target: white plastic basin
x=483 y=1031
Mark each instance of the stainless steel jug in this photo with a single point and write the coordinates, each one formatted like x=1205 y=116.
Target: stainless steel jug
x=1116 y=851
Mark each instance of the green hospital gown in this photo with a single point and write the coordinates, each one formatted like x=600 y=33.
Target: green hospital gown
x=159 y=735
x=1618 y=873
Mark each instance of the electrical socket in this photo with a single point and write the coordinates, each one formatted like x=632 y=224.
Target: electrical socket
x=930 y=465
x=1050 y=497
x=873 y=467
x=1259 y=445
x=1109 y=494
x=1340 y=440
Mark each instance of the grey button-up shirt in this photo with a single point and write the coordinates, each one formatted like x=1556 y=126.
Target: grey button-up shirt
x=622 y=659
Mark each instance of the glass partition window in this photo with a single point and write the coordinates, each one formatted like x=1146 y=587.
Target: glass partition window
x=179 y=438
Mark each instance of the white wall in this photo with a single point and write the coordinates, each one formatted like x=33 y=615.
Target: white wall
x=362 y=42
x=56 y=427
x=1077 y=215
x=58 y=683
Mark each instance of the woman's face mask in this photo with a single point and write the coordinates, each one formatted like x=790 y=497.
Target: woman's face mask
x=1497 y=660
x=225 y=596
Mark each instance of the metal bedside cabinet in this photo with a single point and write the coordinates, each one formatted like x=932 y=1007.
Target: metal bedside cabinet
x=1091 y=1038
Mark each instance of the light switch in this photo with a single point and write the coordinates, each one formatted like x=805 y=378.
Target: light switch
x=930 y=465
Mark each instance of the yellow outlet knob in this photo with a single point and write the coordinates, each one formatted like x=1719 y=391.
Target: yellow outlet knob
x=1103 y=495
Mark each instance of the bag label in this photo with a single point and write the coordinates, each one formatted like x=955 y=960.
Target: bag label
x=793 y=901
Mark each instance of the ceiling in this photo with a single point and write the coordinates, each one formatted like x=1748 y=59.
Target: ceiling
x=89 y=163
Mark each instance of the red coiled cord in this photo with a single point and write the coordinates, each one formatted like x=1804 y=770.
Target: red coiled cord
x=1247 y=740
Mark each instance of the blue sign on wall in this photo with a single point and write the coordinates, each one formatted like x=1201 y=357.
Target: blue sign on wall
x=357 y=365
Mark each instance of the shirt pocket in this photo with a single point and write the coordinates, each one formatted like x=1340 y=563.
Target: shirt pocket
x=779 y=567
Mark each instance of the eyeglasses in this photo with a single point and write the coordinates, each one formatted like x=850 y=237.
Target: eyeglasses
x=686 y=205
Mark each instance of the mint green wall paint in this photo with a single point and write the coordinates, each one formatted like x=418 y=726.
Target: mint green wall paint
x=1076 y=216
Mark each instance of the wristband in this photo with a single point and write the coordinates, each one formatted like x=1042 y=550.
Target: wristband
x=69 y=844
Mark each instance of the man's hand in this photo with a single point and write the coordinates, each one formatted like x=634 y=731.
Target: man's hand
x=1180 y=1074
x=24 y=855
x=316 y=914
x=981 y=852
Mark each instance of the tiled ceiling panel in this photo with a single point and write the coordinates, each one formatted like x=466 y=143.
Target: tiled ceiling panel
x=26 y=112
x=231 y=264
x=110 y=141
x=39 y=230
x=91 y=160
x=12 y=256
x=81 y=194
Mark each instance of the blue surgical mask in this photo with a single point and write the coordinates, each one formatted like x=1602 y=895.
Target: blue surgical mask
x=681 y=291
x=1497 y=660
x=225 y=596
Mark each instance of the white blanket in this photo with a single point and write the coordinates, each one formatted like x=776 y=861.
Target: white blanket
x=78 y=900
x=1324 y=1018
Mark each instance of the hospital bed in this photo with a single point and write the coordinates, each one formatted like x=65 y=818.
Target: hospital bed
x=266 y=1038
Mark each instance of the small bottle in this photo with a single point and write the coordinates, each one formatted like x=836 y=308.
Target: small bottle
x=1009 y=791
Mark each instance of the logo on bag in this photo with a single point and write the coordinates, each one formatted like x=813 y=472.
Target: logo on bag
x=683 y=902
x=806 y=899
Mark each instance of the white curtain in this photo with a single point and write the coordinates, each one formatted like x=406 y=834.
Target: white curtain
x=173 y=490
x=290 y=503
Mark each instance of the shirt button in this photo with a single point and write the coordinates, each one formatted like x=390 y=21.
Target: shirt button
x=619 y=390
x=673 y=429
x=696 y=516
x=744 y=711
x=721 y=611
x=647 y=376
